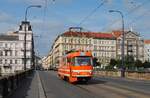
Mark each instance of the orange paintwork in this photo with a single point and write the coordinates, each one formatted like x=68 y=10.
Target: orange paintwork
x=70 y=72
x=146 y=41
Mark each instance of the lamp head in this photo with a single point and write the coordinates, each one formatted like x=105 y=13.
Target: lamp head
x=111 y=11
x=39 y=6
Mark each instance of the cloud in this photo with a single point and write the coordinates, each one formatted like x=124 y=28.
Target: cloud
x=7 y=22
x=7 y=27
x=46 y=32
x=4 y=17
x=41 y=2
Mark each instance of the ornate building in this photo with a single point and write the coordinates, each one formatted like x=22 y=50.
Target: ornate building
x=147 y=50
x=102 y=45
x=12 y=49
x=134 y=45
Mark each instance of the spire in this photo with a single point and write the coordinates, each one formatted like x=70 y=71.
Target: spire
x=23 y=24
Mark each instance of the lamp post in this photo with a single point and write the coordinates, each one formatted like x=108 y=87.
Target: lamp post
x=123 y=41
x=25 y=29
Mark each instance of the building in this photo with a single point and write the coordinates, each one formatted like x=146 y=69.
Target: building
x=147 y=50
x=38 y=62
x=134 y=45
x=12 y=49
x=102 y=45
x=45 y=64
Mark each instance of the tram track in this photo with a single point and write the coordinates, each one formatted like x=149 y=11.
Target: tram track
x=106 y=91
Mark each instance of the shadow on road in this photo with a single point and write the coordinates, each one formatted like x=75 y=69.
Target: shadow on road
x=23 y=88
x=91 y=82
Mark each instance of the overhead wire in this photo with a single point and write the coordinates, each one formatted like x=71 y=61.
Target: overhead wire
x=130 y=12
x=92 y=12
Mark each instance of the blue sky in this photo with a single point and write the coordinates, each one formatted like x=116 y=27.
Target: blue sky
x=62 y=14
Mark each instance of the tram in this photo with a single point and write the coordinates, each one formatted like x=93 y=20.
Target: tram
x=76 y=66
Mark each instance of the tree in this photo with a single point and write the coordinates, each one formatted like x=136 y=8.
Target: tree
x=129 y=62
x=95 y=62
x=146 y=64
x=138 y=63
x=113 y=62
x=119 y=63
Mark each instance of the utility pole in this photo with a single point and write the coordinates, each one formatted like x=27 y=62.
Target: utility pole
x=25 y=29
x=123 y=42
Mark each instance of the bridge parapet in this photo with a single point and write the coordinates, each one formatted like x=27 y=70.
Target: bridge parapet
x=140 y=75
x=9 y=83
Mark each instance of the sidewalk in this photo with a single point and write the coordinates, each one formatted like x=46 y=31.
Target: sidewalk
x=28 y=88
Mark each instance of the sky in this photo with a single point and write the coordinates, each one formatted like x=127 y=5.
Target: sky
x=56 y=16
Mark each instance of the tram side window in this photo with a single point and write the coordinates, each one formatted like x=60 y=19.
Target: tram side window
x=68 y=60
x=64 y=61
x=73 y=61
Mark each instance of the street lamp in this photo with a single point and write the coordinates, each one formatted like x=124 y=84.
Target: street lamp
x=26 y=12
x=123 y=39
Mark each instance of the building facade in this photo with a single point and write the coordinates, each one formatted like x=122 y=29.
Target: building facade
x=12 y=49
x=134 y=45
x=102 y=45
x=147 y=50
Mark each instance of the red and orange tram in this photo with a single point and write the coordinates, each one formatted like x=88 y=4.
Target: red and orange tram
x=76 y=66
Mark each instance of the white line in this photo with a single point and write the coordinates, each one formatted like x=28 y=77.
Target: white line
x=81 y=70
x=81 y=75
x=41 y=90
x=65 y=70
x=64 y=74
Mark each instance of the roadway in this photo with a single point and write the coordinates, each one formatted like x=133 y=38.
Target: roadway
x=46 y=84
x=98 y=87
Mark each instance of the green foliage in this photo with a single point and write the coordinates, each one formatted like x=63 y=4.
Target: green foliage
x=113 y=62
x=109 y=67
x=95 y=62
x=138 y=63
x=129 y=62
x=118 y=64
x=146 y=64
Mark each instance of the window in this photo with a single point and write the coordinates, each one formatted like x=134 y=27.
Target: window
x=1 y=44
x=0 y=61
x=79 y=61
x=6 y=53
x=15 y=53
x=1 y=53
x=15 y=61
x=79 y=41
x=68 y=60
x=10 y=61
x=6 y=45
x=5 y=61
x=10 y=53
x=64 y=40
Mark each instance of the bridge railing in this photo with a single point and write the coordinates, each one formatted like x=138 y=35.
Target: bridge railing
x=140 y=75
x=10 y=82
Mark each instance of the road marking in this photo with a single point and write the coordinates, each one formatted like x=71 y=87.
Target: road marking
x=41 y=90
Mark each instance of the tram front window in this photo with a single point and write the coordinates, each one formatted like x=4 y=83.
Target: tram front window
x=83 y=61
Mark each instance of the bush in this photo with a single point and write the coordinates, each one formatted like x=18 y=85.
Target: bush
x=146 y=64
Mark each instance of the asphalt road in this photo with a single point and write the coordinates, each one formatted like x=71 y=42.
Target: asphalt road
x=98 y=87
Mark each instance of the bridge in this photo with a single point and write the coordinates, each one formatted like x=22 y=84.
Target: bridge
x=46 y=84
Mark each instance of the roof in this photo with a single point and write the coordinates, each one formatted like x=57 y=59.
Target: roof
x=147 y=41
x=8 y=38
x=97 y=35
x=117 y=33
